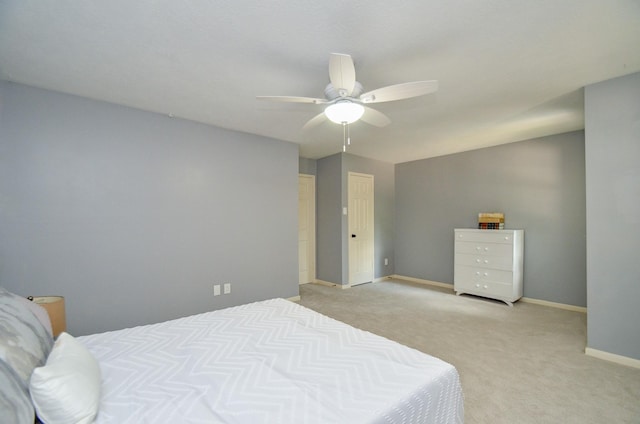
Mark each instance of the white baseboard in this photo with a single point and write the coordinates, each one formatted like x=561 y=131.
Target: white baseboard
x=330 y=284
x=524 y=299
x=294 y=299
x=555 y=304
x=612 y=357
x=346 y=286
x=421 y=281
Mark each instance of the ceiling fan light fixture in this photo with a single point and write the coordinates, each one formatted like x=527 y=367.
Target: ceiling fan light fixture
x=344 y=112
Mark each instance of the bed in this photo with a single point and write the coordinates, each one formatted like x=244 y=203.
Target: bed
x=266 y=362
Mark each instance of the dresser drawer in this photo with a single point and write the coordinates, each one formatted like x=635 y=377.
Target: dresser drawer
x=483 y=248
x=489 y=289
x=485 y=261
x=475 y=274
x=487 y=236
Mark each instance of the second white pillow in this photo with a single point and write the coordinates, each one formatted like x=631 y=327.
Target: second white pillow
x=67 y=388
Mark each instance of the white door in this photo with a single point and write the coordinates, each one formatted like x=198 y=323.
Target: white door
x=360 y=213
x=306 y=228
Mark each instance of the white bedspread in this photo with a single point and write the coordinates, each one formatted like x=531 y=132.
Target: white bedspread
x=268 y=362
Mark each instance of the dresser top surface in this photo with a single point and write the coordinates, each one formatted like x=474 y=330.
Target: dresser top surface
x=476 y=230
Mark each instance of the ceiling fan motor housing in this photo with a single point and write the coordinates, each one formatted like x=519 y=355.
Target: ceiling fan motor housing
x=331 y=93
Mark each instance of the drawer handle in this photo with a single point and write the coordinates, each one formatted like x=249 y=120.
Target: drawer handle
x=478 y=261
x=478 y=286
x=477 y=272
x=486 y=274
x=486 y=249
x=486 y=261
x=486 y=287
x=477 y=247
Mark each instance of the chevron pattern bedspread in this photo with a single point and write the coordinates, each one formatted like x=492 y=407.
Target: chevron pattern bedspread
x=268 y=362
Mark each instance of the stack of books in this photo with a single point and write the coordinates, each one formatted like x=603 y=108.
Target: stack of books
x=491 y=221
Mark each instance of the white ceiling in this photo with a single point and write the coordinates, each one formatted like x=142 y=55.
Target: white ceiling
x=509 y=70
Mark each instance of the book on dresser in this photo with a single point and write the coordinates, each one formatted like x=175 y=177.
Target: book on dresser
x=489 y=263
x=491 y=221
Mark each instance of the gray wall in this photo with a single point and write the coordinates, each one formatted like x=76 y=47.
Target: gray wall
x=329 y=219
x=332 y=246
x=612 y=114
x=540 y=186
x=133 y=216
x=307 y=166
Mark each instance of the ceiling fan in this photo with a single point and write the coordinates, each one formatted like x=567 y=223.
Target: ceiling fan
x=345 y=100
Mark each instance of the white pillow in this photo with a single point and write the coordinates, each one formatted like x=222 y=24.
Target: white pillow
x=67 y=389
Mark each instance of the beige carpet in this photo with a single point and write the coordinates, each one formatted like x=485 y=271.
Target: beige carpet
x=524 y=364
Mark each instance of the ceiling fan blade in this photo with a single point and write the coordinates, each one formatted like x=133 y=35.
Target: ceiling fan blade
x=400 y=91
x=292 y=99
x=373 y=117
x=342 y=73
x=315 y=121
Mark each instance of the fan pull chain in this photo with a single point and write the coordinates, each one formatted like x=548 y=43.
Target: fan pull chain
x=344 y=136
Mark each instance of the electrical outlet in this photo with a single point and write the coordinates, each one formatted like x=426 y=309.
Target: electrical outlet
x=216 y=290
x=227 y=288
x=386 y=261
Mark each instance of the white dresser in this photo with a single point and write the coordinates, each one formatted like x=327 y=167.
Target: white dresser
x=489 y=263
